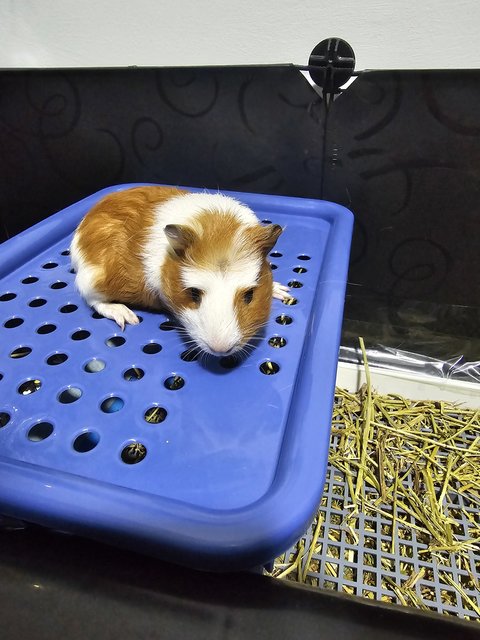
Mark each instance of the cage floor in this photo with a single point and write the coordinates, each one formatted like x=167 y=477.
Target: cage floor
x=419 y=545
x=127 y=436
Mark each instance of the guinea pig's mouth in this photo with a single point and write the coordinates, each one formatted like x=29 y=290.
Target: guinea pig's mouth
x=203 y=347
x=223 y=354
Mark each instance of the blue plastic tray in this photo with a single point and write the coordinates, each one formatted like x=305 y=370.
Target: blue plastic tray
x=233 y=461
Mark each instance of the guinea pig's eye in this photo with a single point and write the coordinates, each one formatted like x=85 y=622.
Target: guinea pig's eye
x=248 y=296
x=195 y=295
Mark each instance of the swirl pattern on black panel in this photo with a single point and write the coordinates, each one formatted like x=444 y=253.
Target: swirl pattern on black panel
x=44 y=105
x=450 y=106
x=188 y=92
x=146 y=137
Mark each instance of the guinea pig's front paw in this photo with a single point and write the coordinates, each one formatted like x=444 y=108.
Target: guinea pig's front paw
x=280 y=291
x=118 y=312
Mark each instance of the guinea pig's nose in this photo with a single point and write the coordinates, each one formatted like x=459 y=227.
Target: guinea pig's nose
x=221 y=347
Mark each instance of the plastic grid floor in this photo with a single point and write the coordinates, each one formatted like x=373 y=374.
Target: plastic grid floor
x=355 y=555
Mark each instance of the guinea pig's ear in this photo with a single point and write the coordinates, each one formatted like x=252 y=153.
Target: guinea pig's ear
x=267 y=237
x=180 y=237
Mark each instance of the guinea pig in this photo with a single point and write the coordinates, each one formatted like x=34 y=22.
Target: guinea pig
x=203 y=257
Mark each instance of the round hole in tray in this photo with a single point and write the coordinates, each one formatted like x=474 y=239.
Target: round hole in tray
x=277 y=342
x=112 y=404
x=20 y=352
x=49 y=265
x=266 y=221
x=65 y=253
x=133 y=453
x=86 y=441
x=174 y=382
x=290 y=301
x=134 y=373
x=46 y=328
x=28 y=387
x=11 y=323
x=273 y=266
x=37 y=302
x=40 y=431
x=155 y=415
x=5 y=297
x=276 y=254
x=58 y=285
x=4 y=419
x=69 y=395
x=168 y=325
x=303 y=256
x=229 y=362
x=81 y=334
x=269 y=368
x=30 y=280
x=94 y=365
x=68 y=308
x=283 y=319
x=152 y=347
x=56 y=358
x=71 y=271
x=190 y=355
x=300 y=269
x=295 y=284
x=115 y=341
x=97 y=316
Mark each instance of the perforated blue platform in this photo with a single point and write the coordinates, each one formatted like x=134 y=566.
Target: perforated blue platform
x=212 y=464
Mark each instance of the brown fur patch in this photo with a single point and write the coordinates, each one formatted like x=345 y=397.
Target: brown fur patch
x=112 y=235
x=215 y=248
x=220 y=240
x=263 y=239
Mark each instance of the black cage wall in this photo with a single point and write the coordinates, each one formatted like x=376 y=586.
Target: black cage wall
x=401 y=149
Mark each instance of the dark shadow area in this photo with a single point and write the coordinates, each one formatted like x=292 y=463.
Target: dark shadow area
x=59 y=586
x=403 y=152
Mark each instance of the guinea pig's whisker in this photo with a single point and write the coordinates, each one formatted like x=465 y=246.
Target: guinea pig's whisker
x=204 y=357
x=195 y=349
x=230 y=323
x=183 y=332
x=256 y=339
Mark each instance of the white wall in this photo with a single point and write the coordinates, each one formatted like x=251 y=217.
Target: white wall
x=384 y=33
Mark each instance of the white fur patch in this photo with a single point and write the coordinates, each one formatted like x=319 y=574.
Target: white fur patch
x=118 y=312
x=86 y=274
